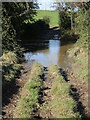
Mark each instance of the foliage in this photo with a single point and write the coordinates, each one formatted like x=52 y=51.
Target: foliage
x=18 y=12
x=8 y=34
x=10 y=68
x=31 y=31
x=46 y=19
x=9 y=57
x=80 y=49
x=13 y=16
x=82 y=26
x=64 y=20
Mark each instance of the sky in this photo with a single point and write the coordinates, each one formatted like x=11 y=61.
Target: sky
x=46 y=4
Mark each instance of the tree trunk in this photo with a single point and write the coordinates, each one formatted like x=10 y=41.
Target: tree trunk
x=71 y=18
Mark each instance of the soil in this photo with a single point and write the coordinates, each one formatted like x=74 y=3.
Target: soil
x=10 y=101
x=45 y=98
x=80 y=95
x=78 y=90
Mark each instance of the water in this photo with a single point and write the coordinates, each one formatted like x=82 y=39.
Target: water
x=48 y=53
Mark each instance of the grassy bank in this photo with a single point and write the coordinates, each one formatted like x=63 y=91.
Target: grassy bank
x=80 y=62
x=79 y=53
x=28 y=103
x=10 y=68
x=62 y=105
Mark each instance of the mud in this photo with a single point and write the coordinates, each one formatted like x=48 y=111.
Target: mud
x=12 y=95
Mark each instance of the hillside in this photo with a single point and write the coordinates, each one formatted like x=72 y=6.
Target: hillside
x=53 y=15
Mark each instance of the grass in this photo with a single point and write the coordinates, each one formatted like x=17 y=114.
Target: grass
x=9 y=57
x=53 y=15
x=63 y=104
x=10 y=72
x=10 y=68
x=30 y=94
x=79 y=53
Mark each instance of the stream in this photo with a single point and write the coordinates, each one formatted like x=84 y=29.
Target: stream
x=48 y=52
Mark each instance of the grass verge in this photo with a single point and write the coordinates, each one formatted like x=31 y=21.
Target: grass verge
x=28 y=103
x=10 y=68
x=79 y=53
x=62 y=103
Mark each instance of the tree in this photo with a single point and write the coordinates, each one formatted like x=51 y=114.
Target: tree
x=13 y=16
x=70 y=6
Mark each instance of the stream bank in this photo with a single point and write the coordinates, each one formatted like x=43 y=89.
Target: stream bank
x=78 y=77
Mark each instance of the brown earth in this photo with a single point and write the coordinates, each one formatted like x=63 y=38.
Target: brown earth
x=15 y=93
x=78 y=87
x=46 y=98
x=80 y=93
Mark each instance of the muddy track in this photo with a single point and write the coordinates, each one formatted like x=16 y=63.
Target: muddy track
x=14 y=93
x=79 y=92
x=44 y=98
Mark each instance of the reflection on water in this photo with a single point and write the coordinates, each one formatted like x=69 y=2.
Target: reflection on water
x=52 y=54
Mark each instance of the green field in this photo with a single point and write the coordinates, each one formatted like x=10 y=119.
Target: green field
x=53 y=15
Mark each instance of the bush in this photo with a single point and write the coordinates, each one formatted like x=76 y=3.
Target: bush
x=9 y=57
x=65 y=22
x=10 y=68
x=46 y=19
x=35 y=29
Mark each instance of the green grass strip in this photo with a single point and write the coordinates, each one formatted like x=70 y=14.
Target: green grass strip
x=30 y=94
x=63 y=104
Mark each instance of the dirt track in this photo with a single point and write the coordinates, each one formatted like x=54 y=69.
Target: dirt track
x=80 y=89
x=14 y=93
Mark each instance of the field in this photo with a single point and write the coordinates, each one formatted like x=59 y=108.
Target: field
x=53 y=15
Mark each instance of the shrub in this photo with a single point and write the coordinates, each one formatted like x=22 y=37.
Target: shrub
x=46 y=19
x=9 y=57
x=65 y=22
